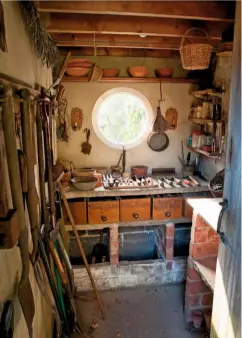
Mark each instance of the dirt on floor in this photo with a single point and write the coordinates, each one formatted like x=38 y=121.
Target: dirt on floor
x=145 y=312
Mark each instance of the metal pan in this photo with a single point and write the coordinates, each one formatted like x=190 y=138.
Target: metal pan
x=158 y=141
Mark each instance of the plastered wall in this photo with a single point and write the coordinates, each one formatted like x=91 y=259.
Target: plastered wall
x=21 y=62
x=84 y=96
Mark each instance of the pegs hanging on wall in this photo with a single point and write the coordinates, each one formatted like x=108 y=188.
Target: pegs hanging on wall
x=76 y=118
x=172 y=117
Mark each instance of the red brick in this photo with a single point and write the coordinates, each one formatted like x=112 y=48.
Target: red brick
x=200 y=235
x=114 y=247
x=169 y=254
x=198 y=221
x=203 y=250
x=192 y=274
x=169 y=265
x=194 y=288
x=212 y=236
x=114 y=259
x=206 y=299
x=169 y=243
x=192 y=300
x=170 y=230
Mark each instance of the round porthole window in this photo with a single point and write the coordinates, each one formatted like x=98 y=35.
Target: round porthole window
x=122 y=118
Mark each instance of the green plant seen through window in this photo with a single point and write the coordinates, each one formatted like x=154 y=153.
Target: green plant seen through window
x=122 y=118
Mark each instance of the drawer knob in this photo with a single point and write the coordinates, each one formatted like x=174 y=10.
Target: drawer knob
x=168 y=214
x=135 y=215
x=103 y=218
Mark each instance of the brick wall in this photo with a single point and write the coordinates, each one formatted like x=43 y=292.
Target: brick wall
x=203 y=245
x=164 y=237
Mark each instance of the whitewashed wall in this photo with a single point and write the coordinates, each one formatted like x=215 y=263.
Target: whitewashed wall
x=84 y=96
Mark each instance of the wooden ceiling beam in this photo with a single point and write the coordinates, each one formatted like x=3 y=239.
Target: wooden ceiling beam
x=123 y=52
x=122 y=41
x=193 y=10
x=111 y=24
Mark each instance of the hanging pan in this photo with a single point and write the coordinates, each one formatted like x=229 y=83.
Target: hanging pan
x=158 y=141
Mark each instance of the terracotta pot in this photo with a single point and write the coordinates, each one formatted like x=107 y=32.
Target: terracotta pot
x=101 y=170
x=85 y=63
x=138 y=71
x=164 y=72
x=139 y=170
x=100 y=181
x=197 y=318
x=110 y=72
x=66 y=179
x=77 y=71
x=208 y=319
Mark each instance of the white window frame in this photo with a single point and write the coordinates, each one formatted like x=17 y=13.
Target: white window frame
x=149 y=117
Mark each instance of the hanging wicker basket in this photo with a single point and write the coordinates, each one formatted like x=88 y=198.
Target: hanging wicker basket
x=195 y=56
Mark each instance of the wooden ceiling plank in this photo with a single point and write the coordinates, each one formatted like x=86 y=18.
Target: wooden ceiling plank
x=194 y=10
x=103 y=24
x=122 y=41
x=123 y=52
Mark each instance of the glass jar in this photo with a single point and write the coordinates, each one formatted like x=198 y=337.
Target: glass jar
x=199 y=112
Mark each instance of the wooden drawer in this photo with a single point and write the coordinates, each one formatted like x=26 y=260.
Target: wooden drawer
x=188 y=210
x=167 y=207
x=103 y=211
x=78 y=210
x=135 y=209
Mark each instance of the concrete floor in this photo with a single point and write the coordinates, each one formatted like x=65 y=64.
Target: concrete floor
x=146 y=312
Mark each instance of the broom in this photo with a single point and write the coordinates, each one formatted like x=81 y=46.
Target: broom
x=160 y=124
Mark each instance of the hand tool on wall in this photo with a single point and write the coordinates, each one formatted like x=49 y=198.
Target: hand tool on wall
x=24 y=291
x=124 y=161
x=188 y=158
x=28 y=149
x=182 y=148
x=86 y=147
x=68 y=211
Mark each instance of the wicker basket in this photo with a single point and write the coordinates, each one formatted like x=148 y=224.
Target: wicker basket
x=195 y=56
x=95 y=74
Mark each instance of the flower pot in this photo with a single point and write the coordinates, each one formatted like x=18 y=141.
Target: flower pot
x=197 y=318
x=139 y=170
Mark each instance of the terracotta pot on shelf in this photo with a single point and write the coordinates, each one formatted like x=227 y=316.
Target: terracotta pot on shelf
x=164 y=72
x=110 y=72
x=77 y=63
x=139 y=170
x=77 y=71
x=138 y=71
x=197 y=318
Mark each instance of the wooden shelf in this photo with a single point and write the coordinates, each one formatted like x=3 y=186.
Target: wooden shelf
x=225 y=53
x=206 y=92
x=131 y=79
x=203 y=121
x=207 y=269
x=204 y=153
x=80 y=227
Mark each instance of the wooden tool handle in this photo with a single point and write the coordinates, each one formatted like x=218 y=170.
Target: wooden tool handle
x=223 y=128
x=69 y=214
x=57 y=261
x=64 y=65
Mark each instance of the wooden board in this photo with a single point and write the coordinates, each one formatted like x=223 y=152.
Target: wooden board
x=136 y=209
x=78 y=210
x=211 y=10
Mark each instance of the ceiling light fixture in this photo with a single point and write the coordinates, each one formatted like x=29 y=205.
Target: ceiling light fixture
x=143 y=35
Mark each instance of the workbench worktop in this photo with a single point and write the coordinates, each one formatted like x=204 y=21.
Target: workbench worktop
x=208 y=208
x=101 y=192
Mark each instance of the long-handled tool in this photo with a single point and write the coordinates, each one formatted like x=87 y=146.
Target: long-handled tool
x=68 y=211
x=214 y=137
x=222 y=137
x=28 y=149
x=24 y=291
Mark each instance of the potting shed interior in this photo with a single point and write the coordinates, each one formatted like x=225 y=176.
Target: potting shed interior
x=120 y=167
